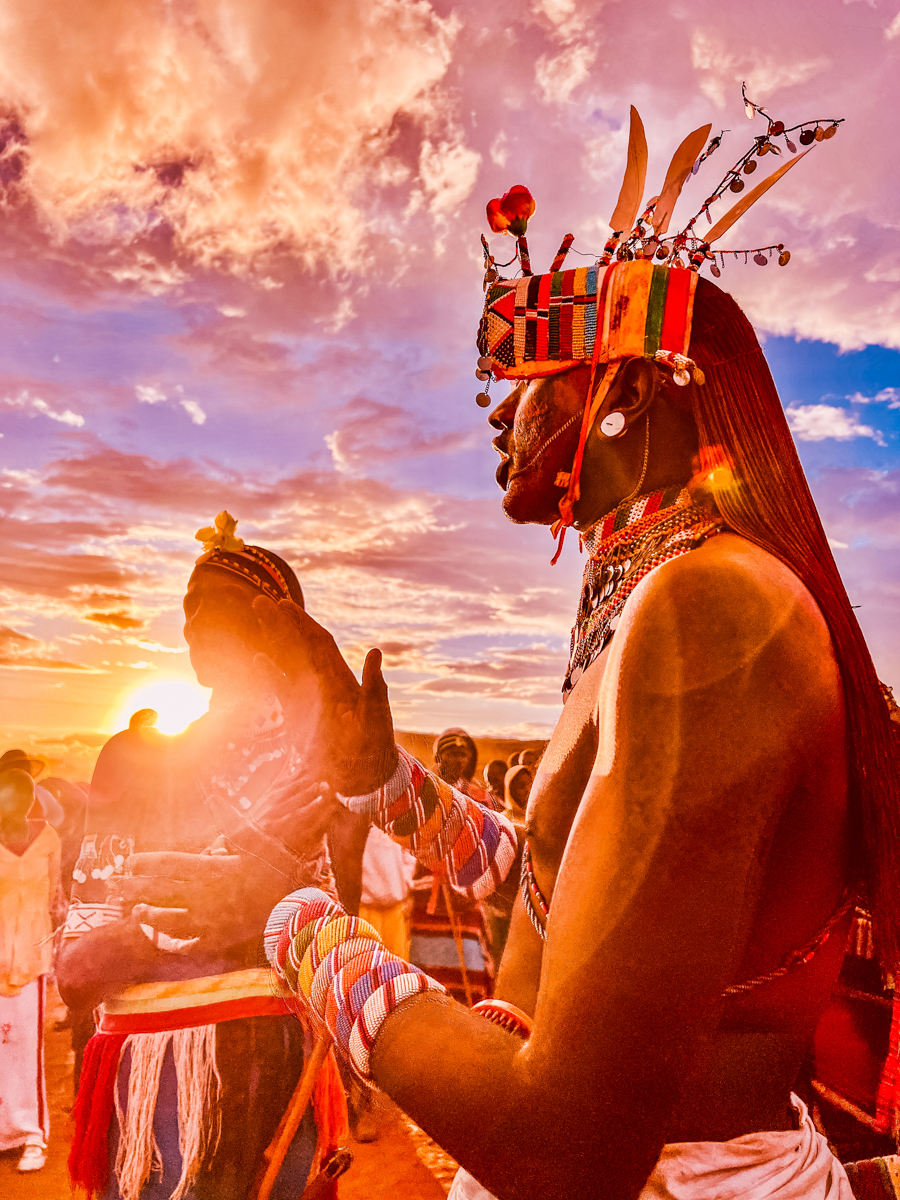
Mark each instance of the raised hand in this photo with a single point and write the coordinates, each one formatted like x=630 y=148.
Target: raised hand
x=345 y=726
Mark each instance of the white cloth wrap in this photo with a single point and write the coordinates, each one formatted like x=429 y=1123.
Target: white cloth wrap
x=787 y=1164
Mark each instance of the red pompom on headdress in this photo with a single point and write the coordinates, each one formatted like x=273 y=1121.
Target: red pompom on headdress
x=510 y=213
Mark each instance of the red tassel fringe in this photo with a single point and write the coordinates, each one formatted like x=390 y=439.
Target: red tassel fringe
x=94 y=1105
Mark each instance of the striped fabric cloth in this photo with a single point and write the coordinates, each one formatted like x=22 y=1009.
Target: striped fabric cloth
x=542 y=324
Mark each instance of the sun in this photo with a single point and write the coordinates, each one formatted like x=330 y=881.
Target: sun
x=177 y=700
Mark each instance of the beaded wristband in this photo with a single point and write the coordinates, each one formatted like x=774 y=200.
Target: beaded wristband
x=475 y=845
x=347 y=980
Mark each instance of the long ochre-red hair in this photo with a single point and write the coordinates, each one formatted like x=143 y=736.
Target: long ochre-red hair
x=738 y=411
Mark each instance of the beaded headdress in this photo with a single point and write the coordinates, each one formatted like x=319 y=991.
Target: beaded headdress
x=636 y=300
x=632 y=301
x=224 y=551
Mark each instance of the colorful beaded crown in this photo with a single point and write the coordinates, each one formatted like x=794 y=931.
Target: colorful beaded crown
x=538 y=325
x=544 y=324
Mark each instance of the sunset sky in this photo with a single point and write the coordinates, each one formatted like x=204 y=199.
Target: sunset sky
x=240 y=268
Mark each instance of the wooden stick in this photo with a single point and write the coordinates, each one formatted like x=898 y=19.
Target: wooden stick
x=457 y=937
x=276 y=1151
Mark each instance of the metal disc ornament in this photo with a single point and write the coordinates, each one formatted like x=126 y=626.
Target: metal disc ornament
x=760 y=260
x=806 y=136
x=749 y=167
x=682 y=378
x=819 y=134
x=776 y=128
x=662 y=252
x=784 y=258
x=482 y=375
x=737 y=185
x=613 y=425
x=791 y=146
x=483 y=400
x=714 y=270
x=485 y=362
x=830 y=131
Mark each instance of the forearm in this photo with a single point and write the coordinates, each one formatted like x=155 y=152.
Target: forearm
x=472 y=845
x=522 y=1122
x=102 y=962
x=492 y=1100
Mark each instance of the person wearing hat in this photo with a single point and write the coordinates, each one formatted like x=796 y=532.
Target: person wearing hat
x=48 y=807
x=29 y=881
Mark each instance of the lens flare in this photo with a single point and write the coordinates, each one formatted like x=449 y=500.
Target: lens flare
x=177 y=700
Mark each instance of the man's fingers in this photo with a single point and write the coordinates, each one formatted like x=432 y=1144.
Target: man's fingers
x=312 y=819
x=171 y=863
x=372 y=677
x=176 y=922
x=151 y=890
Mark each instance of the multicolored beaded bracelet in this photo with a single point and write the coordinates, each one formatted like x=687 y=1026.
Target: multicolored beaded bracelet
x=475 y=845
x=337 y=965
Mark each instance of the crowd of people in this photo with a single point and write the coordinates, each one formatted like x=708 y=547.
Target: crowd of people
x=81 y=906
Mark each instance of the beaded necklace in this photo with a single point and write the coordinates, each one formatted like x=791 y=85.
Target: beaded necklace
x=623 y=547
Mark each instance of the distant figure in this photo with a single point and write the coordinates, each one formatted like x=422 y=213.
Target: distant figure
x=517 y=788
x=144 y=718
x=456 y=757
x=72 y=799
x=494 y=775
x=50 y=808
x=29 y=880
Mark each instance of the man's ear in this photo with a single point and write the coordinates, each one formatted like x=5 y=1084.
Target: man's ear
x=632 y=394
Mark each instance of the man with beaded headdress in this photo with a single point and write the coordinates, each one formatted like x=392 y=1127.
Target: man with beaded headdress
x=720 y=792
x=191 y=1037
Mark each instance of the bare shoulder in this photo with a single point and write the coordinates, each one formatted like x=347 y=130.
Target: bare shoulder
x=725 y=610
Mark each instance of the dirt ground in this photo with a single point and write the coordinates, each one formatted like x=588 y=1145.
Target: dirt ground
x=391 y=1168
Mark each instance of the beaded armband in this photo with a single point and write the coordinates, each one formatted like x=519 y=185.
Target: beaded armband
x=441 y=826
x=506 y=1015
x=340 y=970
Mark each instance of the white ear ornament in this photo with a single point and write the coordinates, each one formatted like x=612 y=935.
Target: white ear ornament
x=613 y=424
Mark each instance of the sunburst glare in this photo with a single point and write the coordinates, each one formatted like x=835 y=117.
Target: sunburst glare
x=178 y=702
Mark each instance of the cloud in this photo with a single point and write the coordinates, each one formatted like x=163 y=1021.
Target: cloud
x=244 y=130
x=559 y=75
x=816 y=422
x=194 y=411
x=371 y=432
x=34 y=406
x=889 y=396
x=149 y=394
x=118 y=620
x=23 y=652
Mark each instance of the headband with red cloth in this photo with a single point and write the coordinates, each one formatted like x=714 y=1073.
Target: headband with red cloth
x=543 y=324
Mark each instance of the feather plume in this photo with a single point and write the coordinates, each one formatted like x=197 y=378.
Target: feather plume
x=635 y=175
x=752 y=196
x=679 y=169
